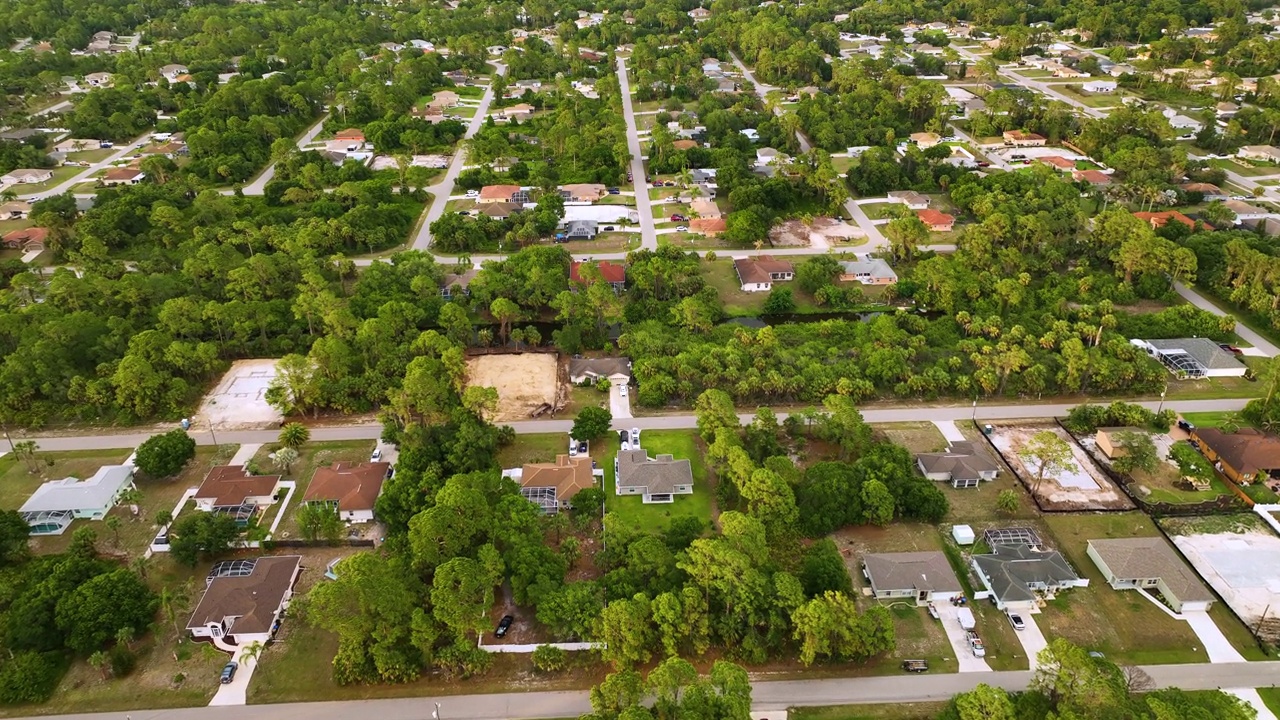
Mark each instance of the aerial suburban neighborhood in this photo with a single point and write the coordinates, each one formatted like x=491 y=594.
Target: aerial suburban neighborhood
x=643 y=361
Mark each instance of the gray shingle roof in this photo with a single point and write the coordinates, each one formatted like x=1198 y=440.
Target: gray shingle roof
x=963 y=460
x=911 y=571
x=655 y=476
x=1011 y=569
x=1151 y=557
x=1205 y=351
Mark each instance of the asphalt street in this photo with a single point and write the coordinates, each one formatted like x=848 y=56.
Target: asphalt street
x=648 y=236
x=765 y=696
x=372 y=430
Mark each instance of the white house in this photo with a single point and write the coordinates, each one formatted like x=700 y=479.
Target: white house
x=750 y=134
x=1099 y=86
x=1149 y=563
x=26 y=176
x=657 y=480
x=53 y=505
x=244 y=599
x=758 y=274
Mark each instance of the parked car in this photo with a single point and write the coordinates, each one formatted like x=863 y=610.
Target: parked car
x=622 y=390
x=1231 y=348
x=915 y=666
x=504 y=625
x=1185 y=426
x=473 y=193
x=1016 y=620
x=376 y=456
x=635 y=437
x=229 y=672
x=464 y=212
x=573 y=447
x=608 y=228
x=682 y=228
x=582 y=447
x=615 y=191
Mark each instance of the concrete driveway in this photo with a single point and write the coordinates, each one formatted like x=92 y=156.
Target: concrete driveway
x=234 y=692
x=949 y=430
x=619 y=405
x=1031 y=638
x=1216 y=645
x=949 y=615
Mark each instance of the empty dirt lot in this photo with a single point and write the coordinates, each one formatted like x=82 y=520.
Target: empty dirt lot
x=523 y=381
x=1083 y=487
x=1242 y=563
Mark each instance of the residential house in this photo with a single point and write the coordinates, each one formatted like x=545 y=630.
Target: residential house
x=1018 y=138
x=1160 y=219
x=1096 y=178
x=871 y=271
x=583 y=192
x=1193 y=357
x=581 y=229
x=445 y=99
x=758 y=274
x=520 y=111
x=499 y=210
x=26 y=239
x=98 y=79
x=1057 y=162
x=244 y=600
x=963 y=464
x=1149 y=563
x=391 y=47
x=936 y=220
x=173 y=72
x=1017 y=577
x=1108 y=440
x=26 y=176
x=503 y=194
x=1227 y=109
x=352 y=136
x=925 y=140
x=552 y=485
x=15 y=210
x=52 y=507
x=700 y=14
x=710 y=227
x=1186 y=127
x=71 y=145
x=592 y=369
x=614 y=274
x=1244 y=456
x=1269 y=153
x=1210 y=192
x=350 y=488
x=751 y=134
x=230 y=489
x=703 y=207
x=1121 y=69
x=1245 y=211
x=656 y=480
x=919 y=577
x=457 y=283
x=766 y=156
x=1099 y=86
x=123 y=176
x=912 y=199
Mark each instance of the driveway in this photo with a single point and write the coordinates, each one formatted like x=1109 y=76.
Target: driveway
x=949 y=430
x=1031 y=638
x=619 y=405
x=234 y=692
x=1215 y=644
x=1249 y=336
x=959 y=641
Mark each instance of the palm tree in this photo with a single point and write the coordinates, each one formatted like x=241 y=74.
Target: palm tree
x=100 y=662
x=113 y=523
x=294 y=435
x=251 y=652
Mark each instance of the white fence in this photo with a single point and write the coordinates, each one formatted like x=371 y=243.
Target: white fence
x=535 y=646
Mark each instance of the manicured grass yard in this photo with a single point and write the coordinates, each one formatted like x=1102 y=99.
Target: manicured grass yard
x=897 y=711
x=1125 y=626
x=1210 y=419
x=882 y=211
x=632 y=511
x=540 y=447
x=310 y=457
x=1271 y=697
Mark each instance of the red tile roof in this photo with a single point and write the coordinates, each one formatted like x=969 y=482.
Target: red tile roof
x=1093 y=177
x=934 y=218
x=354 y=134
x=1160 y=219
x=708 y=226
x=609 y=271
x=1059 y=162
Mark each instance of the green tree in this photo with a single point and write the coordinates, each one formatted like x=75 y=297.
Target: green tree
x=984 y=703
x=715 y=410
x=15 y=533
x=26 y=450
x=877 y=503
x=823 y=570
x=906 y=235
x=284 y=458
x=461 y=595
x=843 y=425
x=591 y=423
x=97 y=610
x=626 y=629
x=1007 y=502
x=320 y=521
x=549 y=658
x=1136 y=451
x=165 y=455
x=830 y=626
x=1078 y=682
x=1046 y=453
x=294 y=435
x=201 y=534
x=779 y=302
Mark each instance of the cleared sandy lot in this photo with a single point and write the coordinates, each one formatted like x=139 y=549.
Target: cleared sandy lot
x=239 y=402
x=1084 y=487
x=523 y=381
x=1244 y=567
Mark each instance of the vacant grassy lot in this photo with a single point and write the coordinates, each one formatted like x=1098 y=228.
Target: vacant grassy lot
x=1125 y=626
x=918 y=437
x=883 y=211
x=631 y=510
x=605 y=242
x=898 y=711
x=1212 y=419
x=310 y=457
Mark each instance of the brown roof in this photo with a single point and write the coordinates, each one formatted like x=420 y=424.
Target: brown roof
x=1205 y=188
x=354 y=486
x=758 y=270
x=26 y=235
x=708 y=226
x=500 y=209
x=684 y=144
x=932 y=217
x=250 y=601
x=229 y=485
x=349 y=134
x=609 y=272
x=1020 y=135
x=1247 y=450
x=567 y=475
x=121 y=174
x=1160 y=219
x=1093 y=177
x=498 y=192
x=1058 y=162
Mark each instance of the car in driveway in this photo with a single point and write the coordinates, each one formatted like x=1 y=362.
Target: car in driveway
x=622 y=390
x=229 y=672
x=376 y=456
x=504 y=625
x=1016 y=621
x=635 y=437
x=682 y=228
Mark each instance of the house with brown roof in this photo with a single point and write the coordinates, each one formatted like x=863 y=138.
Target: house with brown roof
x=685 y=144
x=519 y=111
x=1160 y=219
x=444 y=99
x=583 y=192
x=354 y=135
x=925 y=140
x=26 y=239
x=1110 y=440
x=1057 y=162
x=760 y=273
x=614 y=274
x=552 y=485
x=1149 y=563
x=15 y=210
x=503 y=193
x=499 y=210
x=702 y=207
x=231 y=489
x=351 y=488
x=1018 y=138
x=1211 y=192
x=244 y=599
x=709 y=227
x=123 y=176
x=936 y=220
x=1245 y=456
x=1096 y=178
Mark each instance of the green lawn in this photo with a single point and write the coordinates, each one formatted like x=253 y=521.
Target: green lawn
x=883 y=211
x=1210 y=419
x=60 y=175
x=17 y=482
x=1245 y=170
x=1271 y=697
x=91 y=156
x=631 y=510
x=540 y=447
x=310 y=457
x=897 y=711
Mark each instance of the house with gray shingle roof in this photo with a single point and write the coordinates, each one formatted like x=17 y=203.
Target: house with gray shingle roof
x=1150 y=563
x=962 y=464
x=1017 y=577
x=925 y=577
x=657 y=480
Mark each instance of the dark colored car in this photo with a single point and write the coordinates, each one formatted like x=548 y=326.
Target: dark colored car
x=229 y=672
x=608 y=228
x=582 y=447
x=1185 y=426
x=615 y=191
x=504 y=625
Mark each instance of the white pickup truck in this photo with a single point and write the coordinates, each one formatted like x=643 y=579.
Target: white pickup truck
x=975 y=644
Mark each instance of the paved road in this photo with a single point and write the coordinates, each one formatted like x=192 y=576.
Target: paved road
x=260 y=182
x=88 y=172
x=1042 y=87
x=1249 y=336
x=648 y=238
x=444 y=188
x=371 y=430
x=765 y=696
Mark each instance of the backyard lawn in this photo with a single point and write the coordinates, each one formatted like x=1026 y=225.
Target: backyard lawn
x=631 y=510
x=310 y=456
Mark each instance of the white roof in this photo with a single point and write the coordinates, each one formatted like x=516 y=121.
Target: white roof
x=70 y=493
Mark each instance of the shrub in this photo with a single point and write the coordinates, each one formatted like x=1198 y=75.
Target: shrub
x=549 y=658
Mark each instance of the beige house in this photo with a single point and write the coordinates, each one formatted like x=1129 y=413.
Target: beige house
x=1149 y=563
x=1018 y=138
x=1109 y=440
x=1269 y=153
x=705 y=208
x=583 y=192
